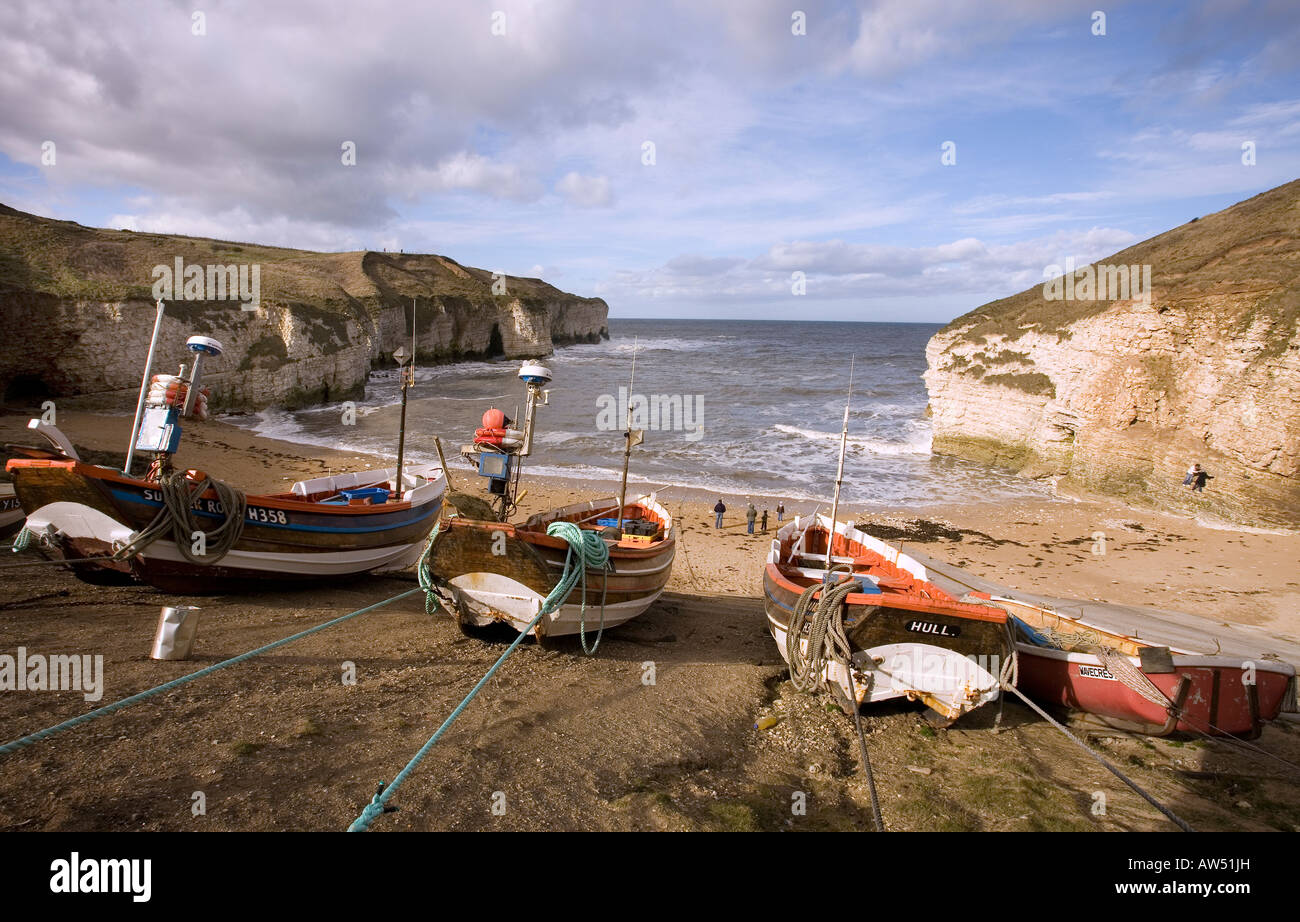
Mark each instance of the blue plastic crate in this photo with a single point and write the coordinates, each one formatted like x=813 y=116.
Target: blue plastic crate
x=376 y=495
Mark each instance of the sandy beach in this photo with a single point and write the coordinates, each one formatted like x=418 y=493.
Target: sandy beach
x=573 y=742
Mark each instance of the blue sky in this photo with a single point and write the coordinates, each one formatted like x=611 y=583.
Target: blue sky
x=775 y=153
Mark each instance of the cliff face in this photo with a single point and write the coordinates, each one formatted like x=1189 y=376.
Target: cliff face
x=1120 y=395
x=77 y=312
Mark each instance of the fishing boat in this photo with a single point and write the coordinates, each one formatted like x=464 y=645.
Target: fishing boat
x=184 y=531
x=496 y=572
x=906 y=637
x=11 y=511
x=488 y=571
x=328 y=527
x=1130 y=684
x=58 y=446
x=859 y=618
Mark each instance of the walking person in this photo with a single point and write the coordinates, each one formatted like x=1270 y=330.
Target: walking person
x=764 y=521
x=718 y=510
x=780 y=511
x=751 y=516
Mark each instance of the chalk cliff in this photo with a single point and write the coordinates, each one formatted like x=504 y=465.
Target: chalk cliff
x=77 y=312
x=1120 y=395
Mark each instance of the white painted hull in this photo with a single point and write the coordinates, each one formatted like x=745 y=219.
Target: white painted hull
x=490 y=598
x=910 y=670
x=77 y=521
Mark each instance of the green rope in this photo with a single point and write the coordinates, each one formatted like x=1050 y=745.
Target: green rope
x=175 y=683
x=22 y=540
x=586 y=548
x=594 y=552
x=425 y=575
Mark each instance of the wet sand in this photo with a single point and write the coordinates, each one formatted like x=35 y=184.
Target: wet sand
x=654 y=732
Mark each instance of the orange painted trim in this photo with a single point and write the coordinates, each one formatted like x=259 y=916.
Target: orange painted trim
x=95 y=472
x=908 y=601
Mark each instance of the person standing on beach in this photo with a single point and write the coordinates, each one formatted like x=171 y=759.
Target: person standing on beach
x=751 y=515
x=718 y=510
x=780 y=511
x=1190 y=479
x=764 y=520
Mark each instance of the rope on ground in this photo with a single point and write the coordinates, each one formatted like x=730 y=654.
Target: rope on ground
x=1177 y=820
x=583 y=552
x=828 y=642
x=59 y=562
x=176 y=683
x=178 y=517
x=866 y=759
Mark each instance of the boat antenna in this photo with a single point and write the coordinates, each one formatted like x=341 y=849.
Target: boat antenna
x=631 y=437
x=839 y=474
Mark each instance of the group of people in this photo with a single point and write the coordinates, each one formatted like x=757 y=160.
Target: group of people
x=751 y=515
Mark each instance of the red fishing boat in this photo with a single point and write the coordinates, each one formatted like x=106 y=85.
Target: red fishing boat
x=1130 y=684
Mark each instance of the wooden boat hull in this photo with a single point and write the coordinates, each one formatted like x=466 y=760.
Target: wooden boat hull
x=1217 y=698
x=495 y=572
x=78 y=510
x=11 y=511
x=1060 y=663
x=926 y=647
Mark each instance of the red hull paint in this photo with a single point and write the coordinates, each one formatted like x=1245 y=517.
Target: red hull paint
x=1217 y=702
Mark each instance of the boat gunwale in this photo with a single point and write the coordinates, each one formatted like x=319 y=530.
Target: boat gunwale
x=286 y=502
x=893 y=598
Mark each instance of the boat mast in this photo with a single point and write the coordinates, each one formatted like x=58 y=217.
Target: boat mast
x=401 y=432
x=839 y=474
x=627 y=440
x=144 y=390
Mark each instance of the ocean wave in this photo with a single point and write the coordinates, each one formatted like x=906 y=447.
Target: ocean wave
x=920 y=445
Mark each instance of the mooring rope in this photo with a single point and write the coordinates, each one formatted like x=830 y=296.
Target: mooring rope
x=586 y=548
x=876 y=818
x=176 y=683
x=178 y=516
x=826 y=639
x=1175 y=818
x=592 y=550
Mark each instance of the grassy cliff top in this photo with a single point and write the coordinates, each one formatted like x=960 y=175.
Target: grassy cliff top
x=68 y=260
x=1246 y=259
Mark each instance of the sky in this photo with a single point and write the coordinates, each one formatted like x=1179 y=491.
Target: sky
x=727 y=159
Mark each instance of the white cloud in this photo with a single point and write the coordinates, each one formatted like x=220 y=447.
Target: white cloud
x=585 y=191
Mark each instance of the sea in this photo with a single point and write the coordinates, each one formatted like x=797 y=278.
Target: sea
x=744 y=409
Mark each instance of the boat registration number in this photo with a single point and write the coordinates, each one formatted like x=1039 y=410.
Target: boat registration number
x=8 y=503
x=214 y=507
x=1096 y=672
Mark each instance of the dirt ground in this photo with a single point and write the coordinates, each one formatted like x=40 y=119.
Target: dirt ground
x=657 y=731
